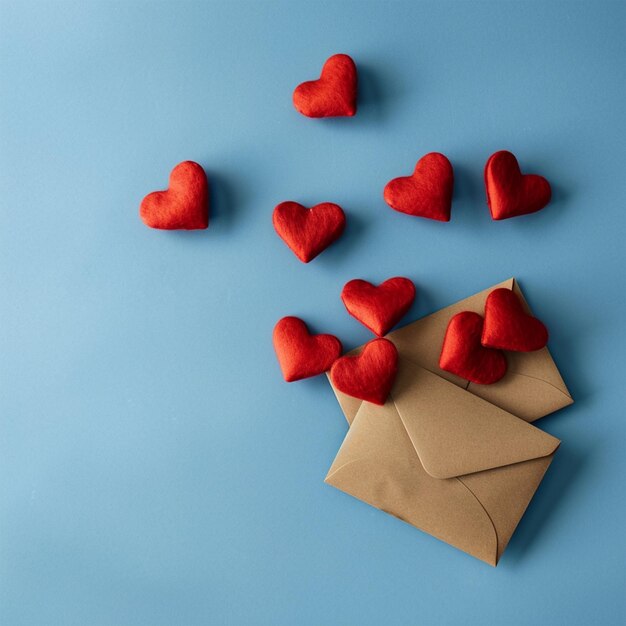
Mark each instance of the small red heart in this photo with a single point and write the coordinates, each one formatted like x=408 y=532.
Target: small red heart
x=308 y=231
x=508 y=327
x=300 y=354
x=378 y=308
x=333 y=94
x=184 y=205
x=511 y=193
x=369 y=375
x=427 y=192
x=462 y=353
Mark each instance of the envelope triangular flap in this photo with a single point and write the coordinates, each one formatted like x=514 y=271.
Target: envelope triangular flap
x=456 y=433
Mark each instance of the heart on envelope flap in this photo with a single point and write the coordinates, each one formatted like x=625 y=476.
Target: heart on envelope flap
x=464 y=355
x=508 y=327
x=368 y=375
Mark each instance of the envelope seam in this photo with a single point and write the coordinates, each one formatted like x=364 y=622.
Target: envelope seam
x=541 y=380
x=330 y=475
x=482 y=506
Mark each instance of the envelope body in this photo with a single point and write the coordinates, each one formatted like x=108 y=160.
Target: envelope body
x=458 y=460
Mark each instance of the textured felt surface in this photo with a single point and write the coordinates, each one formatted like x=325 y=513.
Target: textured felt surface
x=463 y=354
x=378 y=307
x=508 y=327
x=300 y=354
x=511 y=193
x=427 y=192
x=333 y=94
x=184 y=205
x=308 y=231
x=155 y=468
x=368 y=375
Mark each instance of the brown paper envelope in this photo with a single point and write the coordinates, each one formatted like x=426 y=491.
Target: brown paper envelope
x=446 y=455
x=531 y=388
x=444 y=460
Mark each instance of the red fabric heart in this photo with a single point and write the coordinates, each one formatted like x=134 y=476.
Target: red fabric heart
x=511 y=193
x=427 y=192
x=333 y=94
x=184 y=205
x=508 y=327
x=462 y=353
x=300 y=354
x=308 y=231
x=378 y=308
x=369 y=375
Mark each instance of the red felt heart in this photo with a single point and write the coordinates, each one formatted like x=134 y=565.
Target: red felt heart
x=462 y=353
x=378 y=308
x=511 y=193
x=369 y=375
x=333 y=94
x=301 y=354
x=508 y=327
x=184 y=205
x=308 y=231
x=427 y=192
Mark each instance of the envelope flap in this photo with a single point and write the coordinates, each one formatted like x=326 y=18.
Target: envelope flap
x=455 y=432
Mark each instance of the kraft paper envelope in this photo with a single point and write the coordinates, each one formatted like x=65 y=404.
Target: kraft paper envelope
x=458 y=460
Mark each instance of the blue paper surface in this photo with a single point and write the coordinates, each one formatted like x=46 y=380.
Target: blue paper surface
x=154 y=467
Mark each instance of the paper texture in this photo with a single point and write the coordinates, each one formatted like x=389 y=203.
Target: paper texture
x=458 y=460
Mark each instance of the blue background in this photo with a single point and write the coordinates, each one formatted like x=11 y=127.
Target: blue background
x=154 y=467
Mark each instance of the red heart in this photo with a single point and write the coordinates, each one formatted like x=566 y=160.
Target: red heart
x=369 y=375
x=333 y=94
x=378 y=308
x=508 y=327
x=301 y=354
x=308 y=231
x=184 y=205
x=427 y=192
x=511 y=193
x=463 y=355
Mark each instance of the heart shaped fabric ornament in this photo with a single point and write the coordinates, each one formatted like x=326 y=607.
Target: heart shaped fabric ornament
x=381 y=307
x=333 y=94
x=369 y=375
x=308 y=231
x=511 y=193
x=508 y=327
x=184 y=205
x=300 y=354
x=462 y=353
x=427 y=192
